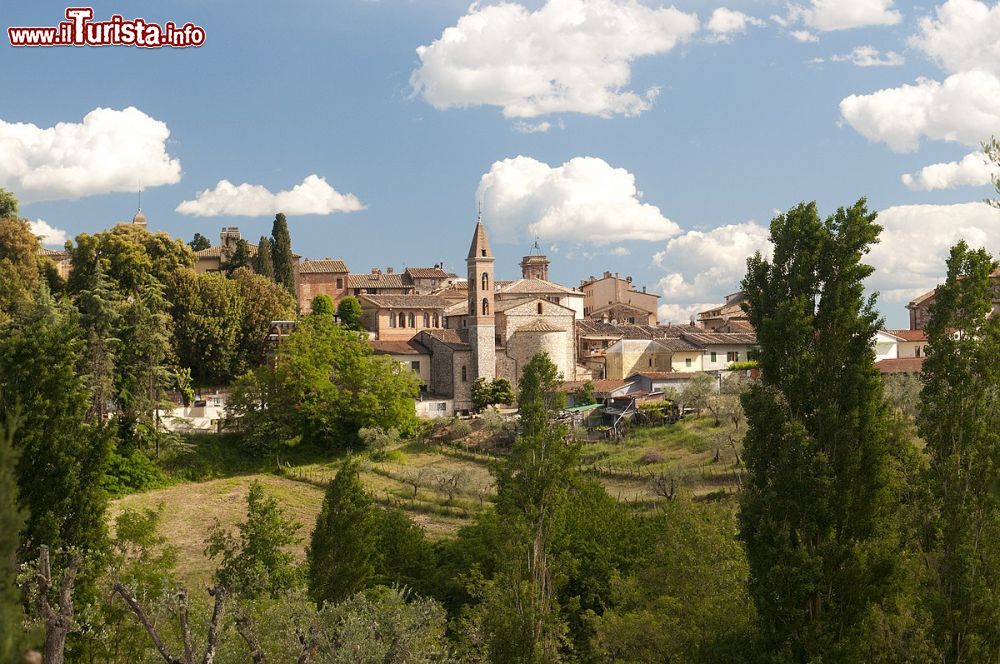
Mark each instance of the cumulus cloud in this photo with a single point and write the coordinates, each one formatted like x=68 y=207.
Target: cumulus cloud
x=869 y=56
x=620 y=251
x=828 y=15
x=703 y=266
x=312 y=196
x=522 y=127
x=46 y=233
x=108 y=151
x=964 y=108
x=585 y=200
x=683 y=313
x=724 y=24
x=803 y=36
x=910 y=259
x=973 y=169
x=961 y=36
x=567 y=56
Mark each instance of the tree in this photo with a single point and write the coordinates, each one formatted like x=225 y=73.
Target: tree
x=960 y=421
x=343 y=553
x=239 y=258
x=321 y=305
x=263 y=301
x=349 y=313
x=281 y=253
x=208 y=312
x=491 y=393
x=697 y=392
x=818 y=510
x=8 y=204
x=11 y=520
x=199 y=242
x=992 y=150
x=584 y=395
x=18 y=265
x=257 y=561
x=263 y=264
x=131 y=257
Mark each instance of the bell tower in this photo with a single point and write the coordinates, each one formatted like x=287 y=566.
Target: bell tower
x=481 y=319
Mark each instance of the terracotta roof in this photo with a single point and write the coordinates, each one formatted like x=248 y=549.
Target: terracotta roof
x=600 y=329
x=909 y=335
x=452 y=338
x=620 y=305
x=530 y=286
x=737 y=325
x=920 y=299
x=480 y=247
x=539 y=325
x=658 y=375
x=408 y=301
x=676 y=344
x=601 y=386
x=394 y=280
x=457 y=309
x=719 y=338
x=504 y=305
x=426 y=273
x=732 y=307
x=411 y=347
x=325 y=265
x=900 y=365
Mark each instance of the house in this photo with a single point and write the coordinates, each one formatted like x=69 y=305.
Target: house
x=886 y=345
x=658 y=382
x=426 y=280
x=721 y=349
x=377 y=283
x=214 y=259
x=594 y=337
x=911 y=343
x=400 y=317
x=614 y=300
x=919 y=307
x=61 y=259
x=410 y=355
x=684 y=352
x=730 y=310
x=321 y=277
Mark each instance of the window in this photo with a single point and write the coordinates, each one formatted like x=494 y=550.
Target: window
x=442 y=406
x=687 y=362
x=427 y=319
x=409 y=320
x=486 y=306
x=483 y=253
x=465 y=374
x=486 y=281
x=539 y=307
x=437 y=321
x=712 y=356
x=392 y=320
x=650 y=361
x=631 y=319
x=415 y=366
x=340 y=283
x=916 y=351
x=402 y=319
x=733 y=356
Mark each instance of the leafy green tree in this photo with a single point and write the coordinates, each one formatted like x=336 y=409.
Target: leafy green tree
x=405 y=557
x=101 y=307
x=281 y=253
x=131 y=257
x=992 y=150
x=491 y=393
x=697 y=392
x=199 y=242
x=321 y=305
x=584 y=395
x=343 y=553
x=263 y=302
x=263 y=263
x=11 y=520
x=688 y=599
x=349 y=313
x=62 y=460
x=8 y=204
x=257 y=561
x=18 y=265
x=239 y=258
x=819 y=506
x=960 y=421
x=208 y=313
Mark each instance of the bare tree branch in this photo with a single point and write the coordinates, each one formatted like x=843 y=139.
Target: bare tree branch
x=309 y=644
x=57 y=624
x=161 y=647
x=219 y=592
x=245 y=627
x=182 y=609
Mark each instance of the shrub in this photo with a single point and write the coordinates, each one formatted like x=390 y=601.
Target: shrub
x=652 y=456
x=132 y=472
x=378 y=440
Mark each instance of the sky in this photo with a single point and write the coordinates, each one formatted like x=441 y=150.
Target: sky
x=652 y=140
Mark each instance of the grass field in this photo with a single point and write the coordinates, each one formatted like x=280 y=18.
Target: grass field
x=440 y=486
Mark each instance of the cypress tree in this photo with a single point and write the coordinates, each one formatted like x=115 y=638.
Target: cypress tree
x=263 y=265
x=240 y=257
x=281 y=253
x=343 y=553
x=818 y=511
x=11 y=520
x=960 y=421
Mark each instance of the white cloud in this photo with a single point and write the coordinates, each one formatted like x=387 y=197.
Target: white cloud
x=962 y=36
x=827 y=15
x=910 y=258
x=108 y=151
x=724 y=24
x=583 y=200
x=803 y=36
x=620 y=251
x=683 y=313
x=48 y=234
x=869 y=56
x=965 y=108
x=567 y=56
x=312 y=196
x=532 y=127
x=973 y=169
x=702 y=266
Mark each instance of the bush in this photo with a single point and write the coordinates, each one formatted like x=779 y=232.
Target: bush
x=378 y=440
x=132 y=472
x=459 y=429
x=652 y=456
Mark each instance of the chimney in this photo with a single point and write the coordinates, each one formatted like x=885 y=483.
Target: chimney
x=643 y=289
x=388 y=270
x=628 y=279
x=607 y=275
x=375 y=270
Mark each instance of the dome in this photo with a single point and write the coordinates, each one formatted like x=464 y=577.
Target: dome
x=139 y=219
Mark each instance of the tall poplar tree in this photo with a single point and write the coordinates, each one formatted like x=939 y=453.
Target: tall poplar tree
x=817 y=513
x=281 y=253
x=11 y=520
x=263 y=264
x=960 y=421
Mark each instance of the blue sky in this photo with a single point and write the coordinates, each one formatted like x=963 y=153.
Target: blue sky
x=673 y=187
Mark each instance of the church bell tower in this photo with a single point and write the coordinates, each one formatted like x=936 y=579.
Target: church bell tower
x=481 y=320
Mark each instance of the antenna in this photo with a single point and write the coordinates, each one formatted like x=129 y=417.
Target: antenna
x=479 y=211
x=140 y=195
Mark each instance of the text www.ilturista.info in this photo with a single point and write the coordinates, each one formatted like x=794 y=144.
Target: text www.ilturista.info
x=80 y=30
